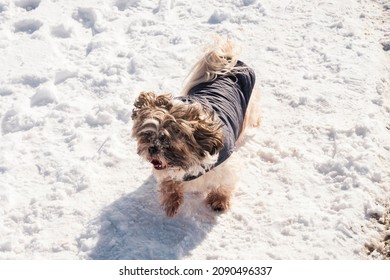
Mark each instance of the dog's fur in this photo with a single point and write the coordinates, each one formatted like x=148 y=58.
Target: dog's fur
x=182 y=139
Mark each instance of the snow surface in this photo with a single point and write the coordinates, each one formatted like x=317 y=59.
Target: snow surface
x=317 y=173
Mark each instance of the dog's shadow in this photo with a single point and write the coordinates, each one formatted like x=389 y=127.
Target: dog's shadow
x=135 y=227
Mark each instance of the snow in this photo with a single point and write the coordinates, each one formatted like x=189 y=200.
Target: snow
x=316 y=175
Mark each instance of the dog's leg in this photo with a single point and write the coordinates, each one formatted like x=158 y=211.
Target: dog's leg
x=252 y=116
x=171 y=196
x=219 y=199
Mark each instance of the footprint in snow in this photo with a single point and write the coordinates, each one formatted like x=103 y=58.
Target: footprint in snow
x=218 y=17
x=6 y=91
x=3 y=7
x=89 y=18
x=386 y=45
x=61 y=31
x=31 y=80
x=125 y=4
x=28 y=26
x=28 y=5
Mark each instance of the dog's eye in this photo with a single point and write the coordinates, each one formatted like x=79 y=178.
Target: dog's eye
x=147 y=135
x=164 y=140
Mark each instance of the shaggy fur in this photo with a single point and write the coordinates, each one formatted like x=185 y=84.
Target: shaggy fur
x=181 y=139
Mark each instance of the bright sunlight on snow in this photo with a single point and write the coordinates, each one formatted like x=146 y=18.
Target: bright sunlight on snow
x=316 y=181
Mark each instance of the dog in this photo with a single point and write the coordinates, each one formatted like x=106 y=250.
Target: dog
x=190 y=139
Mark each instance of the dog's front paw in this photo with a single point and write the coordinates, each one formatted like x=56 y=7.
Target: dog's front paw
x=171 y=197
x=218 y=200
x=172 y=203
x=171 y=211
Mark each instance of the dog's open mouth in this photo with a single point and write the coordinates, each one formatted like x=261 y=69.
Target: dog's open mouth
x=157 y=164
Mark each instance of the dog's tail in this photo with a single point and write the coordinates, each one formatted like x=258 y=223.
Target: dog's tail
x=220 y=59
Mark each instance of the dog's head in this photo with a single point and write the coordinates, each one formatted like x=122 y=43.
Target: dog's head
x=172 y=134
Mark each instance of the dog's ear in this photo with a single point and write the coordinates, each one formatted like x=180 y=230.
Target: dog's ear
x=151 y=100
x=164 y=101
x=145 y=99
x=208 y=134
x=201 y=129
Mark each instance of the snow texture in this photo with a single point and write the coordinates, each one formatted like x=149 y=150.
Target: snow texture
x=316 y=175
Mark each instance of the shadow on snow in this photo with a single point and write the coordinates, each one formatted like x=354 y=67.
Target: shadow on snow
x=135 y=227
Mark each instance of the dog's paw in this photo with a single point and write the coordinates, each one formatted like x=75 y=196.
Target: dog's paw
x=218 y=201
x=171 y=197
x=171 y=211
x=171 y=206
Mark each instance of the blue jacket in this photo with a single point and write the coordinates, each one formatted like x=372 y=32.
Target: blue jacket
x=228 y=97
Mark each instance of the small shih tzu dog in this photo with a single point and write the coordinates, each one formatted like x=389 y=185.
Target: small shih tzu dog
x=190 y=139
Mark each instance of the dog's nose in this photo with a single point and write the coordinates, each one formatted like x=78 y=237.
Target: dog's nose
x=153 y=150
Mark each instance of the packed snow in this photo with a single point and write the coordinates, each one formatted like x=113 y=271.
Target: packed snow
x=316 y=176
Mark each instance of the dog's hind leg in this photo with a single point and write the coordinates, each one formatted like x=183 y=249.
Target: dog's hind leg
x=252 y=116
x=219 y=199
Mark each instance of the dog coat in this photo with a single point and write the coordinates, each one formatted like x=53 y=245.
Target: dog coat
x=228 y=97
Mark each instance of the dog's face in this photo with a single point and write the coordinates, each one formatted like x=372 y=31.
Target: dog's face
x=173 y=135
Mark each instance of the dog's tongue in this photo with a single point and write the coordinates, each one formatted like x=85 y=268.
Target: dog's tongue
x=157 y=164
